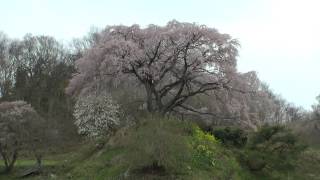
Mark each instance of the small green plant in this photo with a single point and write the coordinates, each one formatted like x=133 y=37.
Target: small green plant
x=204 y=145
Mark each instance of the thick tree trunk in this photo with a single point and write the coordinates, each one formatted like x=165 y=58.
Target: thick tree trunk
x=9 y=164
x=149 y=98
x=154 y=102
x=13 y=160
x=39 y=161
x=5 y=161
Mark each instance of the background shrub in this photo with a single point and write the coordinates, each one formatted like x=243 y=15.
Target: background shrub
x=275 y=147
x=231 y=136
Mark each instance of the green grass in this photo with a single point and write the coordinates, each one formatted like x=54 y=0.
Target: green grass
x=29 y=162
x=25 y=164
x=107 y=164
x=308 y=166
x=98 y=166
x=209 y=158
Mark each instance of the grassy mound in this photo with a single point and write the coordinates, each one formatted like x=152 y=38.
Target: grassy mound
x=160 y=149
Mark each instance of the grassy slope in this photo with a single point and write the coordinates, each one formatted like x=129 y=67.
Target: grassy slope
x=308 y=166
x=110 y=163
x=88 y=162
x=84 y=165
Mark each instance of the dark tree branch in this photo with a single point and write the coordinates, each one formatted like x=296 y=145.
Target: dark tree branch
x=188 y=108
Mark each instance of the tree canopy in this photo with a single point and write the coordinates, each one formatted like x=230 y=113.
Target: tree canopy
x=172 y=63
x=20 y=128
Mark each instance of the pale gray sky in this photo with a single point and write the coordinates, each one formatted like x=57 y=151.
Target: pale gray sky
x=279 y=38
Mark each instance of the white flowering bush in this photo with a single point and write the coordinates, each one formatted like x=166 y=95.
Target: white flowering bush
x=96 y=115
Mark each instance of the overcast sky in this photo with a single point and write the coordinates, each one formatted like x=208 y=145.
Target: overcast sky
x=279 y=38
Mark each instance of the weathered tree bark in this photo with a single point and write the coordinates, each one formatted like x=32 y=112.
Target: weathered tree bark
x=149 y=98
x=9 y=162
x=39 y=161
x=13 y=161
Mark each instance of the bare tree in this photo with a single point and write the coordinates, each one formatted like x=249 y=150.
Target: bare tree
x=7 y=69
x=316 y=109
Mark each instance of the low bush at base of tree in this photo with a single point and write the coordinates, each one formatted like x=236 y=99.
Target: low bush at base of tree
x=231 y=136
x=157 y=145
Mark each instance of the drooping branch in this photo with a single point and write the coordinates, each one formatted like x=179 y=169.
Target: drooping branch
x=197 y=111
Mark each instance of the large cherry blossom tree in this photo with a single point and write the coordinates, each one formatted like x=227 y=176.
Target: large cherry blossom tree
x=172 y=63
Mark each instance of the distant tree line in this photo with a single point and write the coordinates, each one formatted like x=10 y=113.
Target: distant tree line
x=36 y=70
